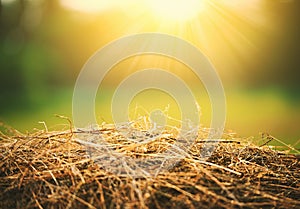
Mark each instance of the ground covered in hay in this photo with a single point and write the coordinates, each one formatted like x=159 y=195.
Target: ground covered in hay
x=53 y=170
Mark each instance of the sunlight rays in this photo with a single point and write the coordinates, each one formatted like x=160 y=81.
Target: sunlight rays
x=224 y=30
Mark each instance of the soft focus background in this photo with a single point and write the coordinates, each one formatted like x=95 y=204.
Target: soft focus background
x=254 y=46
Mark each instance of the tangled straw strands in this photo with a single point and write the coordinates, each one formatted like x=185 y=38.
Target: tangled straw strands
x=53 y=170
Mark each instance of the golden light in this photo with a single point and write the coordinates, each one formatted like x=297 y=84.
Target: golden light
x=87 y=6
x=173 y=10
x=222 y=29
x=179 y=10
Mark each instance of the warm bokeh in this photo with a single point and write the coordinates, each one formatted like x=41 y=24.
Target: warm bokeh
x=254 y=46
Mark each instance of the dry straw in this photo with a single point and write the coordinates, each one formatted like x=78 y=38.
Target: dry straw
x=52 y=169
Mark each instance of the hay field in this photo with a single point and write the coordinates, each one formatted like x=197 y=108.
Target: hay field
x=52 y=169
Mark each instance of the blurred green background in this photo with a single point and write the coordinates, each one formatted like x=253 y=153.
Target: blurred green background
x=254 y=46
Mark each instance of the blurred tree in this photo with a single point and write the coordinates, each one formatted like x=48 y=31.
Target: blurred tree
x=278 y=62
x=30 y=65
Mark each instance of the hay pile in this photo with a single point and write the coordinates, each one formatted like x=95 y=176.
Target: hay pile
x=53 y=170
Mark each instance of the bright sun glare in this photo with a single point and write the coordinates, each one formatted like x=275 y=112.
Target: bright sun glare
x=176 y=10
x=179 y=10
